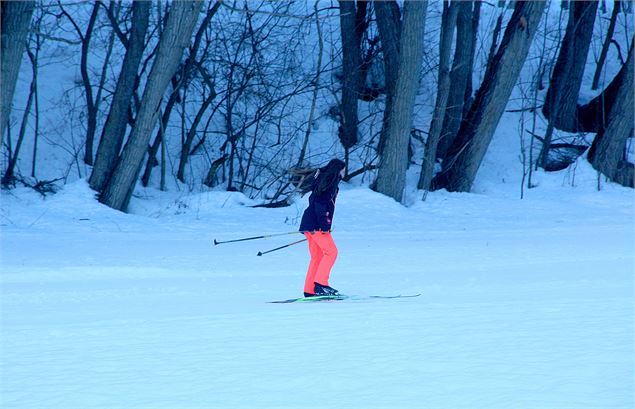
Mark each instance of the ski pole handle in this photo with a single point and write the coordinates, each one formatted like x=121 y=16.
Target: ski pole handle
x=262 y=253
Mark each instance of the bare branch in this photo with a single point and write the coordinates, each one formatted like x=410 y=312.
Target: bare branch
x=60 y=39
x=270 y=13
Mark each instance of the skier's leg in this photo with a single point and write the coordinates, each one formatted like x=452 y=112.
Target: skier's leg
x=329 y=250
x=316 y=257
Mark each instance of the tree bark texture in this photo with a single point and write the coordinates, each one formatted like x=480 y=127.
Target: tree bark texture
x=115 y=128
x=15 y=20
x=592 y=116
x=460 y=77
x=152 y=160
x=494 y=45
x=389 y=26
x=607 y=151
x=8 y=176
x=391 y=177
x=476 y=18
x=477 y=129
x=561 y=101
x=448 y=22
x=175 y=38
x=351 y=75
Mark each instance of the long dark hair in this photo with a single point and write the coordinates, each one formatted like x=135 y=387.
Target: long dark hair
x=329 y=176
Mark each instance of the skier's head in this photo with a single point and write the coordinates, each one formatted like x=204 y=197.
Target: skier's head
x=330 y=175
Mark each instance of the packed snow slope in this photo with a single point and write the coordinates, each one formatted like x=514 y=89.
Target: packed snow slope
x=525 y=303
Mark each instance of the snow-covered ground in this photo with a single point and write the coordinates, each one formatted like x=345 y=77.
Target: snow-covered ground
x=525 y=303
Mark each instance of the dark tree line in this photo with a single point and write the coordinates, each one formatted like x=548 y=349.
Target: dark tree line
x=231 y=81
x=463 y=124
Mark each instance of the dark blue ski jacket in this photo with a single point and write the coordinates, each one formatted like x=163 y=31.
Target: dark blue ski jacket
x=319 y=214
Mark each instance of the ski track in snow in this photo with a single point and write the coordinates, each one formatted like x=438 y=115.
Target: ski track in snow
x=525 y=304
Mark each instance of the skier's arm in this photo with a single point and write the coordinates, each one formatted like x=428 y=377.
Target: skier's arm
x=323 y=213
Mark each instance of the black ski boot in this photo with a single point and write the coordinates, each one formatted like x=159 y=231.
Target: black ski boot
x=323 y=290
x=307 y=295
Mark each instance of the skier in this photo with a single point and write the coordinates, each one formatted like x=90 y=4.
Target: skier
x=316 y=225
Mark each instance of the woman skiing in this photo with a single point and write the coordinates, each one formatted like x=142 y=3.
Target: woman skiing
x=316 y=226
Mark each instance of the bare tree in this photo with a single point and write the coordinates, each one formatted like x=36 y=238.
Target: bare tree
x=476 y=132
x=448 y=22
x=260 y=81
x=179 y=82
x=592 y=116
x=391 y=176
x=461 y=75
x=91 y=103
x=115 y=127
x=607 y=151
x=191 y=133
x=8 y=176
x=352 y=27
x=208 y=86
x=562 y=96
x=606 y=44
x=389 y=25
x=175 y=38
x=316 y=87
x=152 y=161
x=497 y=29
x=34 y=56
x=16 y=16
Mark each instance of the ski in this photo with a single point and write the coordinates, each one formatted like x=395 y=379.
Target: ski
x=312 y=299
x=394 y=296
x=342 y=297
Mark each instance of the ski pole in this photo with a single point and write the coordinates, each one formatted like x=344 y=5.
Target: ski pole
x=266 y=236
x=261 y=253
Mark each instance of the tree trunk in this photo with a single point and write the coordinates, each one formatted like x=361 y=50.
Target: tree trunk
x=351 y=75
x=389 y=25
x=34 y=57
x=476 y=17
x=91 y=108
x=152 y=161
x=448 y=21
x=391 y=177
x=175 y=38
x=477 y=129
x=115 y=127
x=187 y=144
x=561 y=101
x=16 y=17
x=180 y=78
x=460 y=76
x=187 y=138
x=592 y=116
x=606 y=44
x=493 y=47
x=607 y=152
x=8 y=176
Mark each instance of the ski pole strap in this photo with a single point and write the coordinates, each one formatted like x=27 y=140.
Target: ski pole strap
x=262 y=253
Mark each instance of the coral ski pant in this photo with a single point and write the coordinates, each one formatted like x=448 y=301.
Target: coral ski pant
x=323 y=255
